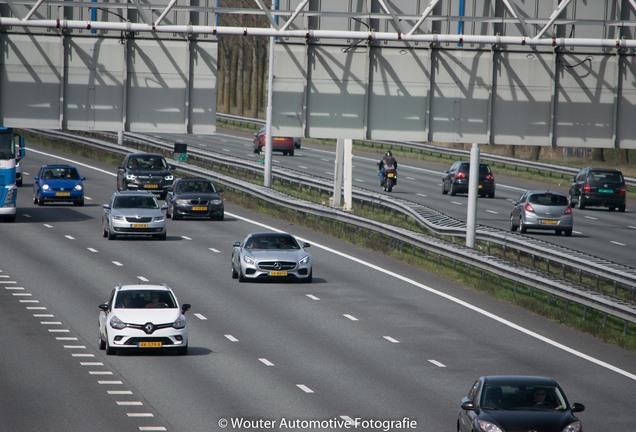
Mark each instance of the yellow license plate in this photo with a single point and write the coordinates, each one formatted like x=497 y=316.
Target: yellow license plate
x=199 y=208
x=62 y=194
x=150 y=345
x=390 y=175
x=548 y=222
x=139 y=226
x=278 y=273
x=151 y=186
x=479 y=187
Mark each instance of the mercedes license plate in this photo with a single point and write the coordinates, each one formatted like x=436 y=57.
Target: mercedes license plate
x=278 y=273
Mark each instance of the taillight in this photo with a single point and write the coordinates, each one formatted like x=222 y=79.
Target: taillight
x=529 y=208
x=568 y=211
x=587 y=188
x=490 y=177
x=622 y=190
x=460 y=175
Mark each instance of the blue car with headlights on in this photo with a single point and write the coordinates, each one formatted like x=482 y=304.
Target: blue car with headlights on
x=58 y=183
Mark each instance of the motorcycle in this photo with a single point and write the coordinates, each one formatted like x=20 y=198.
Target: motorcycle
x=390 y=179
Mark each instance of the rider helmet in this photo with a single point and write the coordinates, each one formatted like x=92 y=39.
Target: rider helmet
x=389 y=154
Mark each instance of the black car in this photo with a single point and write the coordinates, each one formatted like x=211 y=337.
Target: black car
x=455 y=180
x=145 y=171
x=194 y=198
x=598 y=187
x=517 y=403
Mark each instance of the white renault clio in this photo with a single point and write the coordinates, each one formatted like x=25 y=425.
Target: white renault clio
x=143 y=317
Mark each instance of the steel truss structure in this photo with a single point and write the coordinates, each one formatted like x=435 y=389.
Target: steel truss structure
x=538 y=72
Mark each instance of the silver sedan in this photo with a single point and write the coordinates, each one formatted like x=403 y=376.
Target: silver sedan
x=271 y=255
x=542 y=210
x=133 y=213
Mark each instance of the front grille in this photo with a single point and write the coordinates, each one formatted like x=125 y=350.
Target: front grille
x=137 y=230
x=138 y=220
x=198 y=201
x=276 y=265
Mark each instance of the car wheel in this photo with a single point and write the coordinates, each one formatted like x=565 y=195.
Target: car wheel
x=241 y=278
x=621 y=208
x=175 y=215
x=291 y=153
x=182 y=351
x=104 y=232
x=40 y=201
x=579 y=203
x=570 y=202
x=111 y=235
x=568 y=233
x=522 y=229
x=557 y=232
x=491 y=195
x=109 y=350
x=35 y=199
x=221 y=217
x=80 y=202
x=444 y=191
x=162 y=236
x=309 y=278
x=453 y=192
x=234 y=273
x=101 y=343
x=513 y=227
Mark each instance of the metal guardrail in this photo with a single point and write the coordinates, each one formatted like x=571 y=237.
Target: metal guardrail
x=429 y=217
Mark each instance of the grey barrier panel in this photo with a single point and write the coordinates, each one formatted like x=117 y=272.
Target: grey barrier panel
x=98 y=83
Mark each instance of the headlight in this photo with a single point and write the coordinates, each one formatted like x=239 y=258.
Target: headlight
x=182 y=202
x=488 y=427
x=158 y=218
x=116 y=323
x=217 y=201
x=573 y=427
x=180 y=322
x=304 y=260
x=169 y=177
x=45 y=187
x=248 y=260
x=78 y=187
x=130 y=177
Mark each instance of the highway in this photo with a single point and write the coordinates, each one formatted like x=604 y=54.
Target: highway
x=372 y=340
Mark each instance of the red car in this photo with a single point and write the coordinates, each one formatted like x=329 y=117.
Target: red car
x=281 y=144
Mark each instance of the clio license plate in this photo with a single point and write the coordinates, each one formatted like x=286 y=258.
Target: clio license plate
x=150 y=344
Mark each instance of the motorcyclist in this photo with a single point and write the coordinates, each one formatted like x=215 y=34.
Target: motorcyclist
x=387 y=162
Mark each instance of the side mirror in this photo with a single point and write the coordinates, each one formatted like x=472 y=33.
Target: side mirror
x=306 y=245
x=467 y=405
x=237 y=244
x=185 y=307
x=578 y=407
x=104 y=306
x=106 y=206
x=36 y=178
x=83 y=178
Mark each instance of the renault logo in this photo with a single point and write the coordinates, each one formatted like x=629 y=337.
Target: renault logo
x=149 y=328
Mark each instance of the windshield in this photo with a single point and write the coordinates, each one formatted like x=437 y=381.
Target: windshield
x=141 y=299
x=148 y=202
x=147 y=162
x=7 y=146
x=523 y=397
x=548 y=199
x=272 y=242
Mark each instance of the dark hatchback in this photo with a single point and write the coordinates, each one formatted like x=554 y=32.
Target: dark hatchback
x=517 y=403
x=455 y=180
x=598 y=187
x=145 y=171
x=194 y=198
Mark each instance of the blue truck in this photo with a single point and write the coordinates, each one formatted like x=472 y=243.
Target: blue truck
x=12 y=150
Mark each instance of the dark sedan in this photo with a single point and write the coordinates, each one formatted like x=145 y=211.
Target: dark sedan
x=517 y=403
x=194 y=198
x=455 y=180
